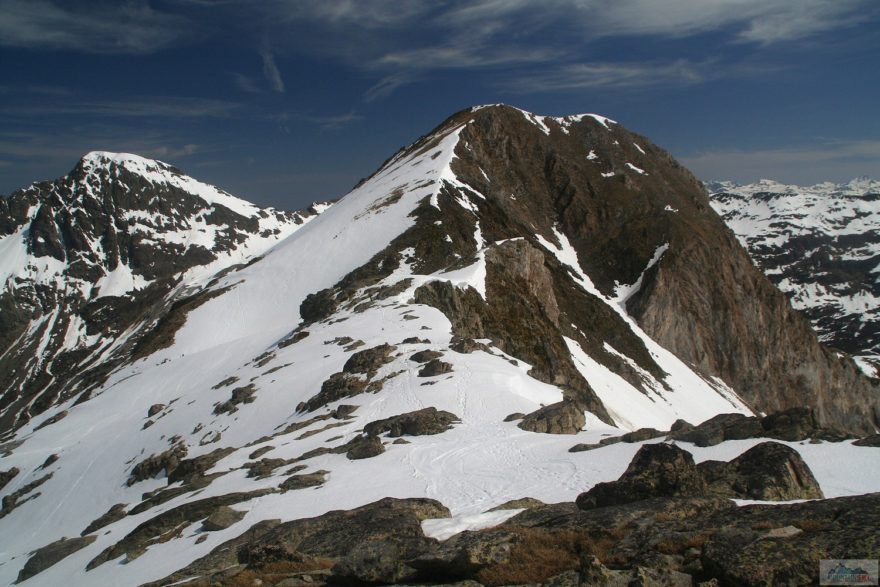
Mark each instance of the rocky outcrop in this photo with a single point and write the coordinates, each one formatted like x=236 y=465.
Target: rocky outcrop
x=667 y=541
x=559 y=418
x=418 y=423
x=368 y=545
x=793 y=424
x=154 y=464
x=114 y=514
x=425 y=356
x=434 y=368
x=240 y=395
x=223 y=517
x=872 y=440
x=45 y=557
x=338 y=386
x=657 y=470
x=369 y=361
x=769 y=471
x=162 y=527
x=7 y=476
x=364 y=447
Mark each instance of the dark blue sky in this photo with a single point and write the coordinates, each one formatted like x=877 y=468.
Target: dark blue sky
x=287 y=101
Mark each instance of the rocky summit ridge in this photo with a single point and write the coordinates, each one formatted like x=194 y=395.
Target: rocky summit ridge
x=507 y=287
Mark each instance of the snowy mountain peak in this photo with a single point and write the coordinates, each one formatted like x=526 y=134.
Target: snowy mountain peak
x=104 y=158
x=84 y=253
x=506 y=286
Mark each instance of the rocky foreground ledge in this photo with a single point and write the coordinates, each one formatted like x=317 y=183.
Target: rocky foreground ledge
x=665 y=522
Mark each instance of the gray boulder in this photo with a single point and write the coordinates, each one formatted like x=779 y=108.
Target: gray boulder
x=560 y=418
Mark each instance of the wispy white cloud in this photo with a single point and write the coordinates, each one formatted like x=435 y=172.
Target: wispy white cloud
x=387 y=86
x=334 y=121
x=456 y=56
x=609 y=75
x=245 y=83
x=370 y=13
x=148 y=107
x=762 y=21
x=271 y=72
x=827 y=160
x=132 y=27
x=328 y=122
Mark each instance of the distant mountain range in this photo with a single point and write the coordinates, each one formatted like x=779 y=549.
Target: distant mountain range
x=821 y=246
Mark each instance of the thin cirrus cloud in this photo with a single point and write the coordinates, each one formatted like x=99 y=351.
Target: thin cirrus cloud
x=152 y=107
x=516 y=34
x=609 y=75
x=115 y=28
x=327 y=122
x=271 y=72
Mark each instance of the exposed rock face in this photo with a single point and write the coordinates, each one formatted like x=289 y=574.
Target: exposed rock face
x=560 y=418
x=418 y=423
x=338 y=386
x=425 y=356
x=742 y=329
x=703 y=299
x=304 y=480
x=153 y=465
x=138 y=540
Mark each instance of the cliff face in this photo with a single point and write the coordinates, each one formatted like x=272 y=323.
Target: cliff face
x=619 y=200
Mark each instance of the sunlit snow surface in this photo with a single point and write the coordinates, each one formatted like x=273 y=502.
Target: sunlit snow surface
x=478 y=464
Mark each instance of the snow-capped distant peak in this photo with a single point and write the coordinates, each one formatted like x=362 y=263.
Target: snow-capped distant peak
x=819 y=244
x=855 y=187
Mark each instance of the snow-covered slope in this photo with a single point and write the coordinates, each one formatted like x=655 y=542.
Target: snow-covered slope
x=820 y=245
x=447 y=280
